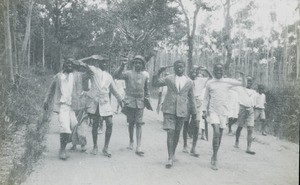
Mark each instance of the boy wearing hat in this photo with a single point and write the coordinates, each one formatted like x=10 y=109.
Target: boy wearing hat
x=136 y=92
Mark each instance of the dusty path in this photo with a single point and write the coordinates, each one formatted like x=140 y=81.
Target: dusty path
x=276 y=162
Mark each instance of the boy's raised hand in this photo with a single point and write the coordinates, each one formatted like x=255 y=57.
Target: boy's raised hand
x=162 y=69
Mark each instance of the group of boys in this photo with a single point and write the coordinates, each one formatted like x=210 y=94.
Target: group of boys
x=69 y=98
x=192 y=98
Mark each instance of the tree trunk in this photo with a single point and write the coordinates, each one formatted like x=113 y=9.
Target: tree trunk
x=43 y=50
x=14 y=40
x=190 y=52
x=27 y=32
x=297 y=28
x=227 y=37
x=8 y=46
x=28 y=52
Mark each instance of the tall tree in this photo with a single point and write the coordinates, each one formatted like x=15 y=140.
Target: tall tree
x=297 y=28
x=24 y=49
x=191 y=27
x=8 y=45
x=227 y=34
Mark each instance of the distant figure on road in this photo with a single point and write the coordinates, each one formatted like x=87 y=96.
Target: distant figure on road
x=247 y=97
x=179 y=97
x=215 y=106
x=234 y=108
x=259 y=109
x=199 y=84
x=137 y=91
x=121 y=89
x=65 y=91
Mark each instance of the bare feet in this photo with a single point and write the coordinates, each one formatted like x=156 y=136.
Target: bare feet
x=95 y=151
x=250 y=152
x=63 y=155
x=203 y=138
x=214 y=164
x=73 y=148
x=175 y=159
x=105 y=153
x=236 y=145
x=185 y=150
x=130 y=147
x=139 y=152
x=169 y=164
x=83 y=148
x=193 y=153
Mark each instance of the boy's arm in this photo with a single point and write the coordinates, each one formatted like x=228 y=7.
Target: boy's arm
x=118 y=74
x=205 y=102
x=159 y=101
x=156 y=81
x=192 y=100
x=146 y=88
x=114 y=91
x=210 y=76
x=87 y=69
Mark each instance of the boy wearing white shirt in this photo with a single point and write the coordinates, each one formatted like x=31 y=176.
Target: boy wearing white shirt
x=259 y=109
x=99 y=106
x=247 y=97
x=215 y=106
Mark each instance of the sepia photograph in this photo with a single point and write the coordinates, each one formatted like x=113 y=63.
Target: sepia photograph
x=144 y=92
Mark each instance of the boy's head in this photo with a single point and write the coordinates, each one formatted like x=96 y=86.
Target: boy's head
x=249 y=82
x=218 y=70
x=68 y=65
x=194 y=72
x=139 y=63
x=179 y=67
x=260 y=88
x=102 y=62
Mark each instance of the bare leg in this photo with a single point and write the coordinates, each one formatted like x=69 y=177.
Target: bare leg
x=108 y=133
x=216 y=145
x=263 y=127
x=130 y=130
x=138 y=137
x=249 y=140
x=170 y=144
x=195 y=138
x=237 y=136
x=64 y=137
x=176 y=136
x=95 y=125
x=184 y=134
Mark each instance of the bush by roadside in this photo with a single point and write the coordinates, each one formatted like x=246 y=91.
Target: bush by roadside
x=22 y=126
x=283 y=112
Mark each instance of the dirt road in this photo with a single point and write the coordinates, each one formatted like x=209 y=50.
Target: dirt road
x=276 y=162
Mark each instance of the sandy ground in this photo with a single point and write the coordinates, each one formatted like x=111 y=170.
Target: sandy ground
x=276 y=162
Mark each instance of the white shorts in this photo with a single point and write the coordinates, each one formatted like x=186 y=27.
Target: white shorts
x=259 y=114
x=214 y=118
x=67 y=119
x=200 y=119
